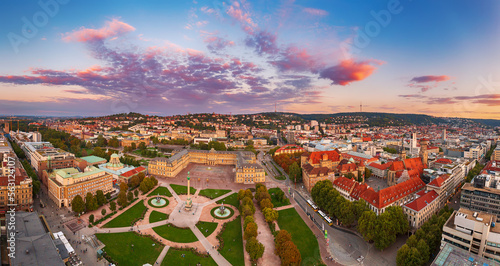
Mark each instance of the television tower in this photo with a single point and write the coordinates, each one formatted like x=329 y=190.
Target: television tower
x=360 y=107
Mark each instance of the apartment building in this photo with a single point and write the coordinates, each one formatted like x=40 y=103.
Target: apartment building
x=449 y=178
x=65 y=184
x=38 y=152
x=483 y=194
x=422 y=208
x=473 y=231
x=21 y=195
x=496 y=154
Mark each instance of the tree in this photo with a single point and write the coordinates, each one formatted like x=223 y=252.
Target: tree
x=103 y=212
x=248 y=193
x=295 y=172
x=241 y=194
x=347 y=214
x=91 y=219
x=262 y=196
x=130 y=196
x=133 y=146
x=254 y=248
x=424 y=251
x=280 y=195
x=77 y=204
x=367 y=224
x=136 y=193
x=385 y=233
x=112 y=206
x=281 y=237
x=142 y=146
x=246 y=210
x=90 y=202
x=248 y=219
x=250 y=231
x=101 y=199
x=218 y=146
x=408 y=256
x=114 y=142
x=292 y=256
x=123 y=186
x=368 y=173
x=412 y=241
x=398 y=218
x=122 y=198
x=266 y=203
x=270 y=215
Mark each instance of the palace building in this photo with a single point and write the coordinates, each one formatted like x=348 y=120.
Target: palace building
x=247 y=169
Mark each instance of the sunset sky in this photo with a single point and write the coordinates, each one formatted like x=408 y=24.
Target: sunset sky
x=73 y=57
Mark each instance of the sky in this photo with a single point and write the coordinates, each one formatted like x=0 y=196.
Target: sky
x=89 y=58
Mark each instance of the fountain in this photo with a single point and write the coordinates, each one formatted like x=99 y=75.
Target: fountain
x=158 y=201
x=222 y=212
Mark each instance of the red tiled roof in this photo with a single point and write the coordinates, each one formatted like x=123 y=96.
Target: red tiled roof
x=380 y=166
x=19 y=176
x=438 y=181
x=348 y=167
x=422 y=201
x=317 y=156
x=311 y=170
x=344 y=183
x=358 y=189
x=133 y=172
x=443 y=161
x=391 y=194
x=367 y=139
x=397 y=166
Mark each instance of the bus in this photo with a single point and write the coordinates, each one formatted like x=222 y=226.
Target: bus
x=310 y=203
x=328 y=220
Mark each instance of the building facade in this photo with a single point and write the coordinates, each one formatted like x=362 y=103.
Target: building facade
x=482 y=195
x=473 y=231
x=65 y=184
x=422 y=208
x=247 y=170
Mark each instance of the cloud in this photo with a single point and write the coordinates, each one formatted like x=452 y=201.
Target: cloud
x=315 y=12
x=216 y=44
x=424 y=79
x=111 y=28
x=483 y=99
x=349 y=71
x=242 y=17
x=263 y=42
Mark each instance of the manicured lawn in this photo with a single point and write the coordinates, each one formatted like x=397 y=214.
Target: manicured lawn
x=274 y=200
x=182 y=190
x=119 y=248
x=206 y=226
x=302 y=236
x=174 y=257
x=280 y=177
x=125 y=219
x=157 y=216
x=163 y=191
x=213 y=193
x=175 y=234
x=231 y=200
x=233 y=243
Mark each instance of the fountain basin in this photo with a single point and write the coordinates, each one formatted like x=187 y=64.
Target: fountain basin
x=153 y=202
x=225 y=214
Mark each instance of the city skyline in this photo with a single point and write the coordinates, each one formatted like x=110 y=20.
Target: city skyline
x=73 y=58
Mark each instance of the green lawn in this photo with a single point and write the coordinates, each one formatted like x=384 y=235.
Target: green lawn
x=182 y=190
x=204 y=226
x=302 y=236
x=162 y=191
x=213 y=193
x=125 y=219
x=274 y=200
x=233 y=243
x=231 y=200
x=174 y=257
x=119 y=248
x=157 y=216
x=280 y=177
x=175 y=234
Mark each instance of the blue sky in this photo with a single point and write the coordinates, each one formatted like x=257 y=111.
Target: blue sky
x=166 y=57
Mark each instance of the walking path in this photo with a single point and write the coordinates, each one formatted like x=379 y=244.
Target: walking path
x=266 y=238
x=218 y=258
x=162 y=255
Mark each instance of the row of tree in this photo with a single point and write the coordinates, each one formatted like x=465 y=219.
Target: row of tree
x=291 y=164
x=91 y=202
x=474 y=172
x=266 y=206
x=147 y=184
x=34 y=178
x=382 y=229
x=254 y=248
x=329 y=199
x=426 y=240
x=136 y=180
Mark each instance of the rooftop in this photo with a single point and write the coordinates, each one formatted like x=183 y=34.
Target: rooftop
x=93 y=159
x=451 y=255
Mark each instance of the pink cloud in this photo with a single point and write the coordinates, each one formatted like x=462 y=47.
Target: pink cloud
x=244 y=18
x=315 y=12
x=424 y=79
x=111 y=29
x=349 y=71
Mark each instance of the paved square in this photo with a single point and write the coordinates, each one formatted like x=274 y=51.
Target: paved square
x=75 y=225
x=377 y=183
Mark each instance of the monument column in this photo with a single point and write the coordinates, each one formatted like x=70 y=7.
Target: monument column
x=189 y=203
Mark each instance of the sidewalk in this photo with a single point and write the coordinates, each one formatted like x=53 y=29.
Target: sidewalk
x=266 y=238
